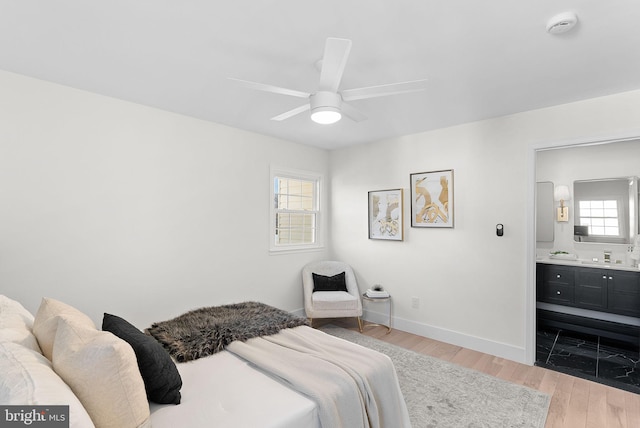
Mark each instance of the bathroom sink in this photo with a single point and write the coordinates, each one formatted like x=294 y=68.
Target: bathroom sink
x=614 y=265
x=599 y=263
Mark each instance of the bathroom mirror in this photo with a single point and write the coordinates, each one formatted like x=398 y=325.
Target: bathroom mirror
x=606 y=210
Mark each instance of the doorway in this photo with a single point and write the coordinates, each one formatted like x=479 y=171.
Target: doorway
x=559 y=345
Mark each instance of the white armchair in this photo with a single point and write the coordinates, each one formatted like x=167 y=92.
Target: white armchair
x=331 y=304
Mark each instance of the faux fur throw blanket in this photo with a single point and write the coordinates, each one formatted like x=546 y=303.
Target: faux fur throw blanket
x=205 y=331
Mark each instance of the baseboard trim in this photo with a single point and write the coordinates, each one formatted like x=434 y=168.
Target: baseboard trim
x=479 y=344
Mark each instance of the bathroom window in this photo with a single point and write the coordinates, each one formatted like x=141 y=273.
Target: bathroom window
x=295 y=212
x=601 y=216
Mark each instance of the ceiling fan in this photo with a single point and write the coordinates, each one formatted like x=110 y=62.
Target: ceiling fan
x=327 y=105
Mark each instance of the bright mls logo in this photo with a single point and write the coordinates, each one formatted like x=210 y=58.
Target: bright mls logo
x=34 y=416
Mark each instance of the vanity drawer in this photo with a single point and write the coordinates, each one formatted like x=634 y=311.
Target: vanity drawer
x=559 y=274
x=558 y=293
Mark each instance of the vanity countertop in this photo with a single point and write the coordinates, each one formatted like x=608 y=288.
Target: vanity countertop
x=587 y=264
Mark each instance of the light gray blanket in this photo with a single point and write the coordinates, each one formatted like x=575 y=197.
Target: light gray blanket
x=354 y=386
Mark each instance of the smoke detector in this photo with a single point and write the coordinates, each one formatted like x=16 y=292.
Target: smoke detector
x=562 y=23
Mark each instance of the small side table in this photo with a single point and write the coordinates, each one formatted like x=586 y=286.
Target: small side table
x=379 y=300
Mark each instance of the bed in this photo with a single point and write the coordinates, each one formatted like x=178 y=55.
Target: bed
x=262 y=368
x=271 y=403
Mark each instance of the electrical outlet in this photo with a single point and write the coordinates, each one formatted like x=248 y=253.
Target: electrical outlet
x=415 y=303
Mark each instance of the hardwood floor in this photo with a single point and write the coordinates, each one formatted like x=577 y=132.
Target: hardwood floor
x=575 y=402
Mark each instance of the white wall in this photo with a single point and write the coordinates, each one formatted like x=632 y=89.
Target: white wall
x=115 y=207
x=475 y=289
x=566 y=165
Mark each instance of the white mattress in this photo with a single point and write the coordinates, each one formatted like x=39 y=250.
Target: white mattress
x=223 y=390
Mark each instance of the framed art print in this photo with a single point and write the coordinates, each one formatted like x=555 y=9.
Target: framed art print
x=386 y=215
x=432 y=199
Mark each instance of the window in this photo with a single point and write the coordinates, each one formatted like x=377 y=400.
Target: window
x=295 y=210
x=601 y=217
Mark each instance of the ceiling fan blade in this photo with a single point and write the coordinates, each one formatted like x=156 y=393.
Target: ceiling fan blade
x=352 y=112
x=271 y=88
x=336 y=53
x=384 y=90
x=291 y=113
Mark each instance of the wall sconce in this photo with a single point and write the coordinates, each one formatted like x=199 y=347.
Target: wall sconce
x=561 y=194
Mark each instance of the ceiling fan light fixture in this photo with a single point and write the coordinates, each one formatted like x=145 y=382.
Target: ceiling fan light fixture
x=325 y=107
x=326 y=115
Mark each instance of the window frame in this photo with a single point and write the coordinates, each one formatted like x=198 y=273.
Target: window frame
x=295 y=174
x=619 y=220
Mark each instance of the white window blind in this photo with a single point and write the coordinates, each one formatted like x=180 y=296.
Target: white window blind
x=295 y=210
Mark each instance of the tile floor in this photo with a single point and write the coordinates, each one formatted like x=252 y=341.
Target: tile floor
x=595 y=358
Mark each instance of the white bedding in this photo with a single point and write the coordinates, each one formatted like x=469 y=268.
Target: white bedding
x=222 y=390
x=353 y=386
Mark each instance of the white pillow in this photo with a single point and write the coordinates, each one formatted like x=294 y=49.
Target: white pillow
x=16 y=324
x=28 y=379
x=102 y=371
x=46 y=322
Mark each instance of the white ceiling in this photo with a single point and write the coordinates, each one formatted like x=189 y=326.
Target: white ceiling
x=482 y=59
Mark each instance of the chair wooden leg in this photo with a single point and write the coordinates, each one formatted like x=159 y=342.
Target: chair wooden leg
x=311 y=322
x=360 y=324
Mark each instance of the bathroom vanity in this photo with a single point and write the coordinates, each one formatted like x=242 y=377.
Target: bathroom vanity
x=593 y=298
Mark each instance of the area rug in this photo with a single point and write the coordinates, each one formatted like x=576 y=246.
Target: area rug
x=444 y=395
